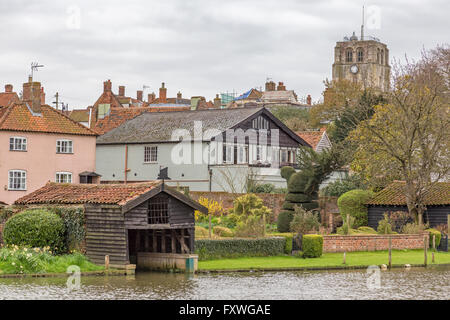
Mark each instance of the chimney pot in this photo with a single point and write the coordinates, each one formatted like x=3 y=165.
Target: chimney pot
x=8 y=88
x=179 y=95
x=308 y=100
x=217 y=102
x=162 y=94
x=281 y=86
x=122 y=91
x=107 y=86
x=139 y=95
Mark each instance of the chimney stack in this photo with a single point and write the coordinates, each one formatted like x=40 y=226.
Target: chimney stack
x=139 y=94
x=162 y=94
x=42 y=96
x=270 y=86
x=8 y=88
x=151 y=97
x=281 y=86
x=32 y=95
x=179 y=95
x=217 y=102
x=107 y=86
x=122 y=91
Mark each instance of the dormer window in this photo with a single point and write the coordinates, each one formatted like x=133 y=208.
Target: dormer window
x=64 y=146
x=17 y=144
x=158 y=209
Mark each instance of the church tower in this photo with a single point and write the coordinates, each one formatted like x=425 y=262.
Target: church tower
x=364 y=60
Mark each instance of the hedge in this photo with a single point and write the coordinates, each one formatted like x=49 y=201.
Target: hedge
x=298 y=197
x=312 y=245
x=35 y=228
x=208 y=249
x=288 y=236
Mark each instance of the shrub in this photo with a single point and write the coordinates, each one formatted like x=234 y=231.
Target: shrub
x=297 y=183
x=5 y=214
x=399 y=219
x=222 y=231
x=215 y=209
x=367 y=230
x=347 y=226
x=339 y=187
x=201 y=232
x=304 y=221
x=288 y=236
x=233 y=248
x=286 y=172
x=35 y=228
x=413 y=228
x=249 y=204
x=312 y=245
x=284 y=221
x=252 y=226
x=437 y=234
x=354 y=203
x=262 y=188
x=73 y=219
x=384 y=226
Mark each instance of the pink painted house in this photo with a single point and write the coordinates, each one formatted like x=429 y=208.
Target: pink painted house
x=40 y=144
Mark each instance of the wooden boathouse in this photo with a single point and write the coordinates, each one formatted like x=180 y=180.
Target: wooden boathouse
x=149 y=224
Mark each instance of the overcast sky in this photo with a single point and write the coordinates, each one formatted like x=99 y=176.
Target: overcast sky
x=199 y=47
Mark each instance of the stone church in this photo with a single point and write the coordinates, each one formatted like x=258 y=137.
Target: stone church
x=364 y=60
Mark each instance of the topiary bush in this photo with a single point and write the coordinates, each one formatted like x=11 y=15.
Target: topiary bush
x=354 y=203
x=312 y=245
x=435 y=233
x=233 y=248
x=35 y=228
x=286 y=172
x=222 y=232
x=284 y=220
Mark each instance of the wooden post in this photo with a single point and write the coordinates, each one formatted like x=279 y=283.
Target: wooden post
x=390 y=252
x=448 y=224
x=434 y=242
x=174 y=247
x=348 y=223
x=155 y=241
x=106 y=262
x=163 y=241
x=210 y=228
x=425 y=250
x=344 y=259
x=432 y=257
x=264 y=224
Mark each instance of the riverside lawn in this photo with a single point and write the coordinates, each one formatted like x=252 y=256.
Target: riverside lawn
x=327 y=260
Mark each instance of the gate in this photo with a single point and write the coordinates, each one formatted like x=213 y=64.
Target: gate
x=443 y=246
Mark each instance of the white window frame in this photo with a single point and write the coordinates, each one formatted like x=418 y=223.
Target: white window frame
x=150 y=154
x=64 y=149
x=284 y=152
x=13 y=143
x=229 y=148
x=241 y=154
x=61 y=175
x=22 y=177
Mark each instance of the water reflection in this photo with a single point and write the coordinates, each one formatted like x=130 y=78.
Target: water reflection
x=396 y=284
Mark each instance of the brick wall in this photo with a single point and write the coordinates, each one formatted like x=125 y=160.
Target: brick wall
x=372 y=242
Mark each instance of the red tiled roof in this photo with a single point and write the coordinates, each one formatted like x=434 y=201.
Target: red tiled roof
x=394 y=194
x=18 y=117
x=311 y=137
x=79 y=115
x=67 y=193
x=117 y=116
x=8 y=97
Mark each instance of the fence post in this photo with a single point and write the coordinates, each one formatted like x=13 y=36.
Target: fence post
x=344 y=259
x=106 y=262
x=390 y=252
x=264 y=225
x=425 y=250
x=434 y=242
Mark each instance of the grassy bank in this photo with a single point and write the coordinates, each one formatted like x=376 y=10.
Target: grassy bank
x=15 y=260
x=327 y=260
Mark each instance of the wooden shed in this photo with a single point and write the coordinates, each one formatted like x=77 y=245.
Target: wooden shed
x=392 y=198
x=146 y=224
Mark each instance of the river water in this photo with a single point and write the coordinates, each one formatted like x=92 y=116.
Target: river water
x=416 y=283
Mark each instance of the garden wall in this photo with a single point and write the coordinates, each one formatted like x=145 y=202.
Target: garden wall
x=273 y=201
x=372 y=242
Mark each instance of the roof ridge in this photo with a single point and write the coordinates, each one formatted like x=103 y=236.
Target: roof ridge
x=71 y=120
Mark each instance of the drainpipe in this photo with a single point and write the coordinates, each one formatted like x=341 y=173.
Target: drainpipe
x=126 y=164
